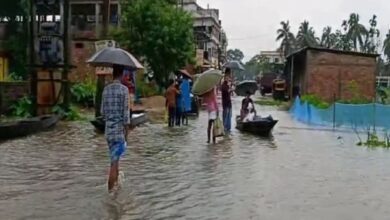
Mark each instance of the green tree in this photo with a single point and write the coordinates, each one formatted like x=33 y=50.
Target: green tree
x=235 y=55
x=386 y=46
x=261 y=64
x=287 y=38
x=328 y=38
x=371 y=43
x=355 y=31
x=160 y=32
x=306 y=36
x=16 y=42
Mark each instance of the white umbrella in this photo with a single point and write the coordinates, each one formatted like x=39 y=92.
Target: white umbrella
x=206 y=82
x=110 y=56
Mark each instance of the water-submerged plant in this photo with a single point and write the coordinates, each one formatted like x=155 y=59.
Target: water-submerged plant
x=373 y=139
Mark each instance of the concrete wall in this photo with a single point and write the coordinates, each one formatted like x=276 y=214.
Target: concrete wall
x=330 y=74
x=10 y=92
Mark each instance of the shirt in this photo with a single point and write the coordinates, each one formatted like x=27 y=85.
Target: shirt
x=126 y=81
x=186 y=94
x=211 y=101
x=226 y=98
x=170 y=95
x=245 y=103
x=115 y=110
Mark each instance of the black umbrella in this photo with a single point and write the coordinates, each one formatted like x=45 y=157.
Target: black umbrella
x=110 y=56
x=246 y=86
x=234 y=65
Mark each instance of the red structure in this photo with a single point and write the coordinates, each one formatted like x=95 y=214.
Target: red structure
x=329 y=73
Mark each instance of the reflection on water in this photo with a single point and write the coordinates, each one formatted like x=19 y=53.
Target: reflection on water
x=174 y=174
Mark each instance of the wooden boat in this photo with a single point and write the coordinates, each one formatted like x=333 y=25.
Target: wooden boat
x=21 y=128
x=138 y=117
x=259 y=126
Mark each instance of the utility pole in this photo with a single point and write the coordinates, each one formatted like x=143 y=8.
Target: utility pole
x=65 y=72
x=53 y=52
x=101 y=78
x=33 y=73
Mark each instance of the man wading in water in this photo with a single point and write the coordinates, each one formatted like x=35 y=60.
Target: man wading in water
x=115 y=111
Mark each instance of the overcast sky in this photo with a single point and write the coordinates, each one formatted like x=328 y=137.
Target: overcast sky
x=251 y=24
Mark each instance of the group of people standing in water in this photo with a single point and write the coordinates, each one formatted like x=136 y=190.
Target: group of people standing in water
x=178 y=100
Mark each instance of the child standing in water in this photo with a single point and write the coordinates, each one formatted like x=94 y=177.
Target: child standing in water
x=210 y=99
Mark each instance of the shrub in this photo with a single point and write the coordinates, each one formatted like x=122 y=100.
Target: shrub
x=14 y=77
x=84 y=92
x=145 y=89
x=315 y=101
x=22 y=107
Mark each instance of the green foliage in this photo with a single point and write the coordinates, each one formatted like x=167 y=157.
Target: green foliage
x=22 y=108
x=351 y=36
x=315 y=101
x=159 y=32
x=386 y=46
x=373 y=140
x=306 y=36
x=71 y=114
x=269 y=102
x=14 y=77
x=287 y=44
x=17 y=42
x=145 y=89
x=235 y=55
x=84 y=92
x=383 y=95
x=17 y=45
x=260 y=64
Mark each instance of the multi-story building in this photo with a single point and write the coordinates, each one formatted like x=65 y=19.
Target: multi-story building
x=273 y=56
x=86 y=30
x=209 y=36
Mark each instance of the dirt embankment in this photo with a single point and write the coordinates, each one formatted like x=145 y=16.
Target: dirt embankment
x=155 y=107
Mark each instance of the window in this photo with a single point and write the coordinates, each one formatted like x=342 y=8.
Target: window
x=79 y=45
x=277 y=60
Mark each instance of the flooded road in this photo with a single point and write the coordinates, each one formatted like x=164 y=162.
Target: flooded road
x=174 y=174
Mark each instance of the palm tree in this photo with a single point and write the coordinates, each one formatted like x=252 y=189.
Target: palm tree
x=287 y=38
x=306 y=36
x=371 y=42
x=356 y=31
x=328 y=39
x=386 y=46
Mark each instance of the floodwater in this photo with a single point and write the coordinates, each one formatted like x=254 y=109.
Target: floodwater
x=300 y=173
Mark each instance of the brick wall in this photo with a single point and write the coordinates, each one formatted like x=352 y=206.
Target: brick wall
x=330 y=74
x=81 y=52
x=10 y=92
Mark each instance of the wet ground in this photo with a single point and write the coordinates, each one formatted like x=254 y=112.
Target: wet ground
x=300 y=173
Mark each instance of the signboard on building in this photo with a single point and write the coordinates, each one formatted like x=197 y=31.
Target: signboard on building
x=100 y=45
x=199 y=57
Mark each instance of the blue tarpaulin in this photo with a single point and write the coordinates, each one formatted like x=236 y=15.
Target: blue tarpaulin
x=343 y=115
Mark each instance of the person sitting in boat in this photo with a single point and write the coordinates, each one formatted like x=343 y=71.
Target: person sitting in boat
x=246 y=108
x=252 y=113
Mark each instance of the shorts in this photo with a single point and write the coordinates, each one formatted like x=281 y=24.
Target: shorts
x=117 y=149
x=212 y=115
